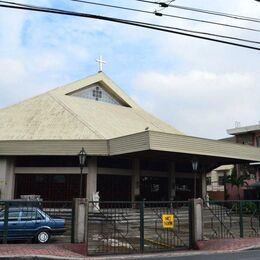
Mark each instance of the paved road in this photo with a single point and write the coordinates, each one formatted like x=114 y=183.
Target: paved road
x=244 y=255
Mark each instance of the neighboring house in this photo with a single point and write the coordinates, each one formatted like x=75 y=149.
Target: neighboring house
x=131 y=154
x=247 y=135
x=216 y=182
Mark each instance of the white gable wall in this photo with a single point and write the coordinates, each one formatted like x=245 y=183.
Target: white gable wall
x=96 y=92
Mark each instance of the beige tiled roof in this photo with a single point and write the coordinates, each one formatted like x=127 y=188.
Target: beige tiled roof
x=58 y=116
x=58 y=123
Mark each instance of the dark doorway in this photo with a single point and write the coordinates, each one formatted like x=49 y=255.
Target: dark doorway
x=185 y=188
x=52 y=187
x=154 y=188
x=114 y=187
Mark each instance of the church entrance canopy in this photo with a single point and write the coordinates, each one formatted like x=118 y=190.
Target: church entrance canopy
x=147 y=144
x=183 y=148
x=148 y=147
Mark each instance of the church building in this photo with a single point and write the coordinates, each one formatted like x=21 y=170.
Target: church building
x=130 y=153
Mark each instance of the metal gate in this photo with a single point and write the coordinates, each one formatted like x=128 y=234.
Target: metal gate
x=126 y=227
x=231 y=219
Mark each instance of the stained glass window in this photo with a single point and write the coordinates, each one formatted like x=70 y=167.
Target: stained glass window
x=96 y=92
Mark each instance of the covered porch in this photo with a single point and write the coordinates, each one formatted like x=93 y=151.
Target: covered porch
x=148 y=165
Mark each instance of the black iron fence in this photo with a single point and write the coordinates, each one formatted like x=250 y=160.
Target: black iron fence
x=137 y=227
x=39 y=221
x=231 y=219
x=128 y=227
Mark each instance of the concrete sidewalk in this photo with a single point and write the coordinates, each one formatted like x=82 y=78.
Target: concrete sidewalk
x=78 y=251
x=229 y=244
x=208 y=247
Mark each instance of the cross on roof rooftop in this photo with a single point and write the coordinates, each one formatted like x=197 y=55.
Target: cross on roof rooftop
x=101 y=62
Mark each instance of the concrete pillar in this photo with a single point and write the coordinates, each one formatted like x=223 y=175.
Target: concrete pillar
x=136 y=178
x=203 y=185
x=196 y=221
x=172 y=186
x=80 y=220
x=91 y=177
x=7 y=178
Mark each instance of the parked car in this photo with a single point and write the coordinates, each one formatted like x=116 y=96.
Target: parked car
x=30 y=223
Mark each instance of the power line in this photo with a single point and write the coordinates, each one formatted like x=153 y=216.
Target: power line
x=199 y=32
x=135 y=23
x=169 y=27
x=18 y=6
x=166 y=15
x=234 y=16
x=164 y=27
x=181 y=29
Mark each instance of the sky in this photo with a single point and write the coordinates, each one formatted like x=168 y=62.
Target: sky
x=199 y=87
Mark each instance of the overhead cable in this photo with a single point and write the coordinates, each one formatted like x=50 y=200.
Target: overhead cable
x=166 y=15
x=19 y=6
x=234 y=16
x=172 y=28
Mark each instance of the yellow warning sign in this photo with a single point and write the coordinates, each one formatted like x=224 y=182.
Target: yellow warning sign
x=168 y=220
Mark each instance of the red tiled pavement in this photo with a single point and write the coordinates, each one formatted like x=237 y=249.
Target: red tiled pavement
x=228 y=244
x=75 y=251
x=37 y=250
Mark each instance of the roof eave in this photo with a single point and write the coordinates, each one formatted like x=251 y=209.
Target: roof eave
x=133 y=143
x=243 y=130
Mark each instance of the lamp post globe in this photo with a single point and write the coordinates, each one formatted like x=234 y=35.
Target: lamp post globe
x=82 y=162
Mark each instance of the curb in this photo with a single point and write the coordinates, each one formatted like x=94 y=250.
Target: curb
x=41 y=257
x=169 y=254
x=143 y=256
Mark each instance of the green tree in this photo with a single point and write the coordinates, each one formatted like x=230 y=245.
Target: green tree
x=237 y=181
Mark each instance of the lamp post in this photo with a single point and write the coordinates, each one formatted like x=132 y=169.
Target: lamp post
x=194 y=163
x=82 y=161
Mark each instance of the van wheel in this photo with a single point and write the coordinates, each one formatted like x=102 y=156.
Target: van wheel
x=43 y=236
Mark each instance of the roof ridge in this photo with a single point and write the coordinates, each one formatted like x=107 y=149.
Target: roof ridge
x=60 y=102
x=138 y=114
x=151 y=122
